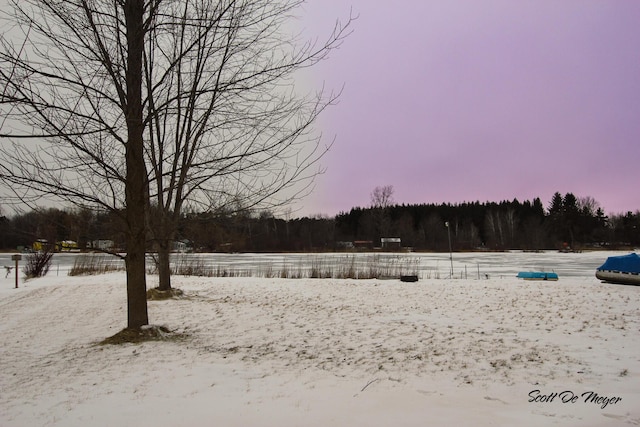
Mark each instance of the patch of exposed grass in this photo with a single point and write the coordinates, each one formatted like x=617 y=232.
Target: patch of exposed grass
x=146 y=333
x=155 y=294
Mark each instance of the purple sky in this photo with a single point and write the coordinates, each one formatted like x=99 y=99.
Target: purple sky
x=465 y=100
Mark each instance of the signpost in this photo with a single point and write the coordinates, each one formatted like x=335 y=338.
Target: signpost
x=16 y=258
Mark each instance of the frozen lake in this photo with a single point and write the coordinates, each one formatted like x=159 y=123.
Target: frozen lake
x=471 y=265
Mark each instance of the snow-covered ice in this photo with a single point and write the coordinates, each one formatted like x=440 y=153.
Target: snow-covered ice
x=318 y=352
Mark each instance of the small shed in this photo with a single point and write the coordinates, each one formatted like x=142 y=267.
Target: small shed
x=391 y=243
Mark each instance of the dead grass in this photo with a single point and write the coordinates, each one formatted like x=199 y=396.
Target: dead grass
x=91 y=264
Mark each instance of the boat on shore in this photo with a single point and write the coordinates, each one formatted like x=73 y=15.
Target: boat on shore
x=623 y=270
x=537 y=275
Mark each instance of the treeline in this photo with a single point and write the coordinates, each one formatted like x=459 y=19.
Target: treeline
x=567 y=223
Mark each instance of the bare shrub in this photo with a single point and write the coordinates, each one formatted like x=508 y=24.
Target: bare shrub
x=38 y=264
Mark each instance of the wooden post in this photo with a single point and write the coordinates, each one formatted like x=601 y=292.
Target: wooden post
x=16 y=258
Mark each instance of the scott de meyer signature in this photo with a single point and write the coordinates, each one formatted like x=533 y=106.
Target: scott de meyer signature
x=568 y=396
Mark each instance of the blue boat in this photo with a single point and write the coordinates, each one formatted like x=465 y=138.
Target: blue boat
x=537 y=275
x=624 y=270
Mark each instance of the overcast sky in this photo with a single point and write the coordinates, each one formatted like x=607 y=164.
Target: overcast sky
x=489 y=100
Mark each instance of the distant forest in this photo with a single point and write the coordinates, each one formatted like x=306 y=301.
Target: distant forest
x=568 y=223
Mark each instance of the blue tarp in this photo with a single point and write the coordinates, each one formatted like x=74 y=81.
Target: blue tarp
x=626 y=263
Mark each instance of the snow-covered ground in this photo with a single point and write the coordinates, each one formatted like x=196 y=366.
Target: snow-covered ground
x=318 y=352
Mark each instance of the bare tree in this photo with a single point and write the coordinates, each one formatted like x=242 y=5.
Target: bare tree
x=227 y=129
x=382 y=197
x=501 y=227
x=147 y=108
x=72 y=114
x=381 y=200
x=588 y=205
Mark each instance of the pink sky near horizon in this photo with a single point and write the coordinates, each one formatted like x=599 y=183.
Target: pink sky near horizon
x=466 y=100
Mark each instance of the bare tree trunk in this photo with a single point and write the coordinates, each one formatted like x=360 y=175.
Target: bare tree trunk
x=164 y=269
x=161 y=229
x=136 y=186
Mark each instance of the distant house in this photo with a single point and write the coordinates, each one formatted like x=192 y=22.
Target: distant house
x=67 y=246
x=391 y=243
x=182 y=246
x=40 y=245
x=102 y=245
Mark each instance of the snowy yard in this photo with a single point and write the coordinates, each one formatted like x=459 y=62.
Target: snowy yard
x=317 y=352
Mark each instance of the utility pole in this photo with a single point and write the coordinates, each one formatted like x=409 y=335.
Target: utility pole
x=450 y=251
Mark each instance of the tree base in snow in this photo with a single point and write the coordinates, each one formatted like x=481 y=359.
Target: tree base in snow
x=146 y=333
